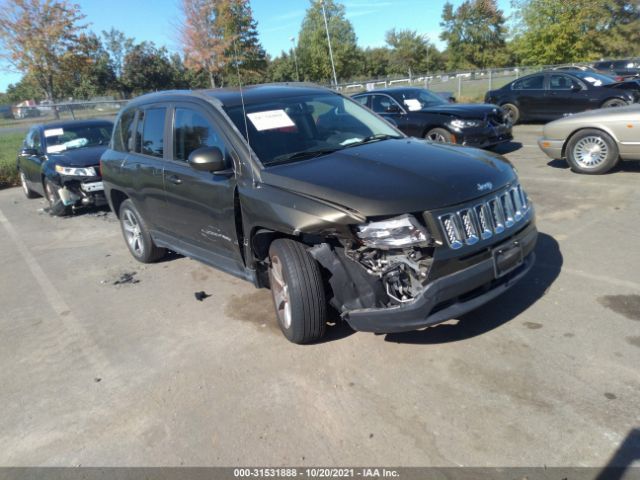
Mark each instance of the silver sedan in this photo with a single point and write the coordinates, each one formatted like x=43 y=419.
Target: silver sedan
x=594 y=141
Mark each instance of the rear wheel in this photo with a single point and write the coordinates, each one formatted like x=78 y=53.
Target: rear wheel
x=439 y=135
x=614 y=102
x=25 y=187
x=592 y=152
x=298 y=291
x=511 y=113
x=137 y=236
x=56 y=207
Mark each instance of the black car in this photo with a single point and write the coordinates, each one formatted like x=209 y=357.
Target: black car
x=302 y=190
x=620 y=69
x=421 y=113
x=61 y=161
x=552 y=94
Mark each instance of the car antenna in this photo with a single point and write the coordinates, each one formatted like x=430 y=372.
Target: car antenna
x=244 y=111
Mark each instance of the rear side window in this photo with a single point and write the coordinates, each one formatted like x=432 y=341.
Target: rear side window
x=123 y=132
x=530 y=83
x=192 y=131
x=362 y=100
x=153 y=132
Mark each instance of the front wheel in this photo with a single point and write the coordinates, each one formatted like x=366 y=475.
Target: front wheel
x=298 y=291
x=511 y=113
x=592 y=152
x=439 y=135
x=614 y=102
x=56 y=206
x=137 y=236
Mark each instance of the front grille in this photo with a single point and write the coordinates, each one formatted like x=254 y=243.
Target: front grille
x=492 y=216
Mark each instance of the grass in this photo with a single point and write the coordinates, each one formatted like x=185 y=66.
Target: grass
x=9 y=146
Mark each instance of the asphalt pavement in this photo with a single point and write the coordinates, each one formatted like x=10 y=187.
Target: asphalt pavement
x=138 y=372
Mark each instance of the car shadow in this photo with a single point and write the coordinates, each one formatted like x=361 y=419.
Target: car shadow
x=500 y=310
x=506 y=147
x=561 y=164
x=337 y=329
x=622 y=461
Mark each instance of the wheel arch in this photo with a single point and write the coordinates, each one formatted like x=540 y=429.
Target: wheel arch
x=601 y=128
x=116 y=197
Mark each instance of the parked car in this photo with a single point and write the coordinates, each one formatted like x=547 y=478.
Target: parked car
x=303 y=190
x=594 y=142
x=551 y=94
x=6 y=111
x=419 y=112
x=61 y=162
x=622 y=69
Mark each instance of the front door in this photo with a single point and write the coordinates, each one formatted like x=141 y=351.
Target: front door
x=565 y=95
x=200 y=205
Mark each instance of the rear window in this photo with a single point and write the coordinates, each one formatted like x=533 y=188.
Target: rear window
x=123 y=131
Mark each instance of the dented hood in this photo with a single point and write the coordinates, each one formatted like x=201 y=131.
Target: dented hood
x=78 y=157
x=395 y=176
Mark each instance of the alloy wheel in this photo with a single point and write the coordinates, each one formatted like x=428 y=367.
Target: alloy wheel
x=280 y=292
x=590 y=152
x=132 y=232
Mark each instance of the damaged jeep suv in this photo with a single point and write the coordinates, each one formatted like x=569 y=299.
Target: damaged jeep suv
x=302 y=190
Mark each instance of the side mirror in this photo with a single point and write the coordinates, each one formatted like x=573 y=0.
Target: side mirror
x=207 y=159
x=452 y=99
x=393 y=109
x=28 y=152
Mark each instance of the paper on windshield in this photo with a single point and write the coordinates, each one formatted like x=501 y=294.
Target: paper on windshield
x=56 y=148
x=53 y=132
x=594 y=81
x=76 y=143
x=413 y=104
x=270 y=120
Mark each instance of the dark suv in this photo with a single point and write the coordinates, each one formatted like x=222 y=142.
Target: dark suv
x=302 y=190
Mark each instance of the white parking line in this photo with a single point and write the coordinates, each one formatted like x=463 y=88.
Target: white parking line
x=73 y=327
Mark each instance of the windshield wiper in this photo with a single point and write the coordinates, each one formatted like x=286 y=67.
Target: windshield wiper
x=374 y=138
x=303 y=155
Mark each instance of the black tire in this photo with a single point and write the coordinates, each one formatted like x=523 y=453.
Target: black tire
x=614 y=102
x=304 y=291
x=136 y=235
x=511 y=112
x=439 y=135
x=25 y=188
x=580 y=150
x=56 y=207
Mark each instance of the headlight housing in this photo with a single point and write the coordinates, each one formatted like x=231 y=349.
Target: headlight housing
x=79 y=172
x=458 y=123
x=398 y=232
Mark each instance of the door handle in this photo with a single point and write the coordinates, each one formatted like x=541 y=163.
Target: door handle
x=176 y=180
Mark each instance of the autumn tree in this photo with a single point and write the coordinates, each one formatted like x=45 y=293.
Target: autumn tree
x=313 y=49
x=35 y=36
x=475 y=34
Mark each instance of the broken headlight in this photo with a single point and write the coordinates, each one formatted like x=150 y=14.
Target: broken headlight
x=398 y=232
x=80 y=172
x=458 y=123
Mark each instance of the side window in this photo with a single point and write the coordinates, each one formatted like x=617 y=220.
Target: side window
x=380 y=103
x=123 y=131
x=362 y=100
x=530 y=83
x=191 y=131
x=153 y=132
x=138 y=138
x=28 y=141
x=37 y=143
x=560 y=82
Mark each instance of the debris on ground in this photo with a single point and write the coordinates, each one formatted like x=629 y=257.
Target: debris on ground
x=127 y=277
x=200 y=296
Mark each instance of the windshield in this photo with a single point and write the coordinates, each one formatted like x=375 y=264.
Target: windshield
x=419 y=99
x=595 y=79
x=77 y=136
x=289 y=129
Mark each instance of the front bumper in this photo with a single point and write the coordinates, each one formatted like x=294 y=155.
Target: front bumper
x=484 y=137
x=449 y=296
x=552 y=148
x=83 y=190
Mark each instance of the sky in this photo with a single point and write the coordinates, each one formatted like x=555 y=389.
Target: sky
x=278 y=21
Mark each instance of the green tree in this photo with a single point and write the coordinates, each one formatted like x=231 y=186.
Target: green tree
x=475 y=34
x=147 y=68
x=313 y=49
x=36 y=34
x=26 y=89
x=117 y=45
x=551 y=32
x=281 y=69
x=410 y=52
x=376 y=62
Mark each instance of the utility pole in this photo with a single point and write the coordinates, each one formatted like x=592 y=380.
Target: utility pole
x=326 y=27
x=295 y=58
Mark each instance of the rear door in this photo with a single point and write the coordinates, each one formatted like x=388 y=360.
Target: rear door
x=200 y=205
x=530 y=95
